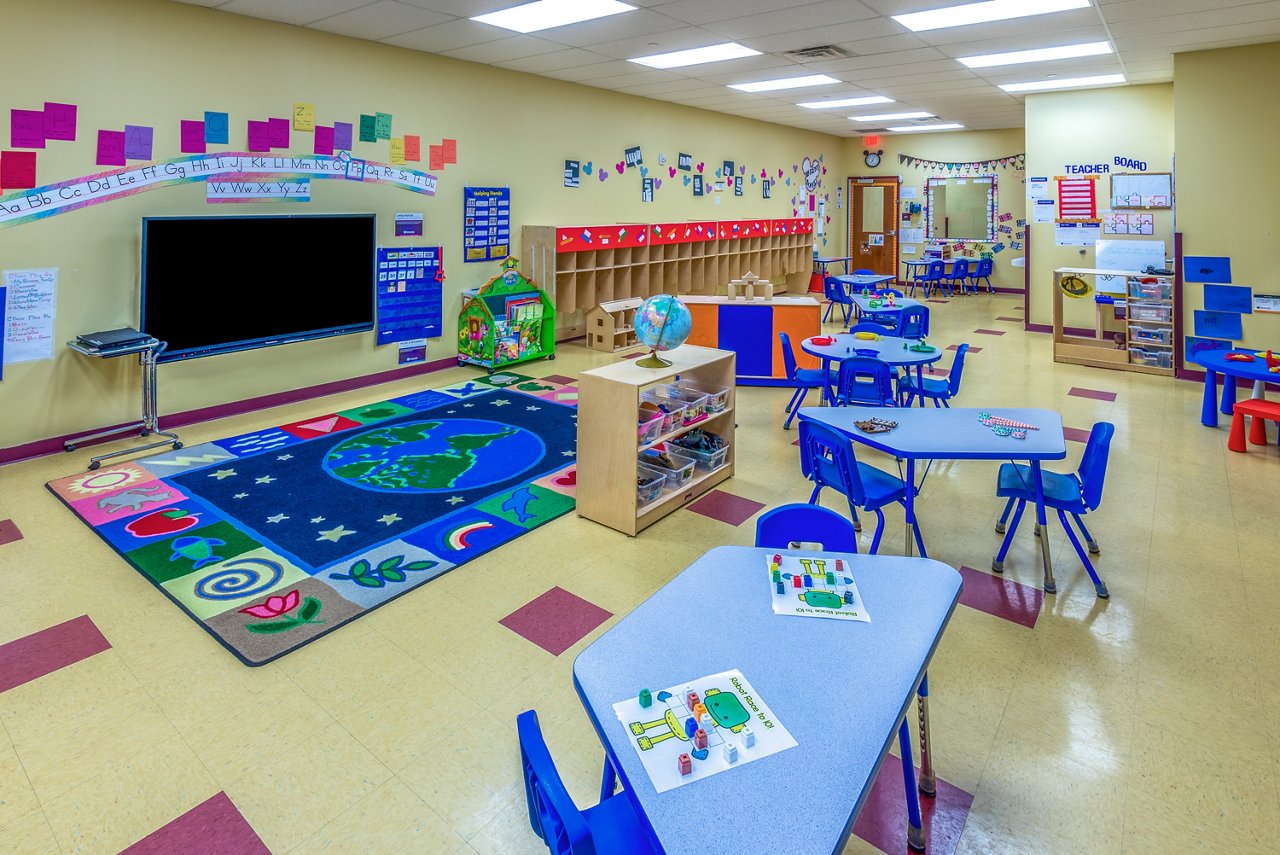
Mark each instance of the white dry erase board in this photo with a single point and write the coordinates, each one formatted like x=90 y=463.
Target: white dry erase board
x=1134 y=255
x=1142 y=190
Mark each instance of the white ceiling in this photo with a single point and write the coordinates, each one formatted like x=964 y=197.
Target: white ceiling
x=917 y=70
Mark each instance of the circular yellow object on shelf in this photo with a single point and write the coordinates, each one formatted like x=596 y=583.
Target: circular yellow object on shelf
x=1074 y=286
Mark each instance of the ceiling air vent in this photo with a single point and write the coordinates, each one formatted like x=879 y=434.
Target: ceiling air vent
x=810 y=54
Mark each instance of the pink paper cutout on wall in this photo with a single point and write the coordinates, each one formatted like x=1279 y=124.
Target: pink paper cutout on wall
x=323 y=139
x=192 y=137
x=59 y=121
x=437 y=157
x=450 y=148
x=259 y=136
x=111 y=148
x=412 y=148
x=18 y=170
x=278 y=133
x=26 y=128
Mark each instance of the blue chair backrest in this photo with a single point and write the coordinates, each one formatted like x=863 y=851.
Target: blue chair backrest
x=783 y=526
x=960 y=270
x=934 y=271
x=552 y=813
x=870 y=326
x=788 y=356
x=957 y=368
x=1093 y=465
x=865 y=381
x=984 y=268
x=913 y=322
x=826 y=458
x=863 y=271
x=835 y=290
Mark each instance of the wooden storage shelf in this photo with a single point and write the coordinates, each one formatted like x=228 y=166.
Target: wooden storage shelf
x=683 y=429
x=608 y=401
x=1110 y=346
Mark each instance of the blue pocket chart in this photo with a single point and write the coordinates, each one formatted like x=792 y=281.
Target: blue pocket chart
x=1229 y=298
x=1206 y=268
x=1218 y=325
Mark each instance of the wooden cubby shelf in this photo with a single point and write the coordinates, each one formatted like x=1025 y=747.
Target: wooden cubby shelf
x=1142 y=341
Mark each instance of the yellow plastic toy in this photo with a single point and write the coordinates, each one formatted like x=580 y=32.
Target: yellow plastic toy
x=866 y=336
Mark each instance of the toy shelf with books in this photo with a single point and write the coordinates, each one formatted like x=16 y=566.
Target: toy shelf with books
x=1139 y=339
x=651 y=440
x=584 y=266
x=507 y=320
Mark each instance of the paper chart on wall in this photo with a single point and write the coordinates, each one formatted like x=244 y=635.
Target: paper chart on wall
x=29 y=314
x=1044 y=210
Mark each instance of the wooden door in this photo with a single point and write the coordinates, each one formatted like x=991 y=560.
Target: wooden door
x=873 y=224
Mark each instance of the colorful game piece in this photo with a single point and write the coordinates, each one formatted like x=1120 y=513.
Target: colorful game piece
x=777 y=574
x=795 y=581
x=782 y=589
x=839 y=565
x=831 y=578
x=706 y=722
x=808 y=580
x=699 y=738
x=690 y=726
x=699 y=710
x=685 y=763
x=748 y=737
x=730 y=753
x=777 y=559
x=646 y=698
x=848 y=596
x=692 y=699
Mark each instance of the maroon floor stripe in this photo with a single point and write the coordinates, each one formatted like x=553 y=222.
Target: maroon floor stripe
x=990 y=332
x=882 y=822
x=556 y=620
x=214 y=827
x=9 y=532
x=633 y=355
x=1096 y=394
x=1003 y=318
x=795 y=442
x=726 y=507
x=559 y=378
x=1076 y=434
x=48 y=650
x=972 y=349
x=939 y=302
x=1004 y=598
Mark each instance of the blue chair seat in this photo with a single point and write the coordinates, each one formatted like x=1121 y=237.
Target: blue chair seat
x=616 y=827
x=933 y=386
x=811 y=377
x=1060 y=491
x=880 y=488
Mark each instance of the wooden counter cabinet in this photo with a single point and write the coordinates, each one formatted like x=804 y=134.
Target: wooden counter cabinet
x=608 y=443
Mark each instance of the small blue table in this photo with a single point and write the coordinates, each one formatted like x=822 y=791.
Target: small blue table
x=840 y=687
x=820 y=263
x=857 y=281
x=863 y=305
x=955 y=434
x=1214 y=362
x=888 y=349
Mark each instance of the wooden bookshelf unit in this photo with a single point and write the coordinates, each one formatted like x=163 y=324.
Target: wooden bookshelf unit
x=608 y=401
x=1142 y=341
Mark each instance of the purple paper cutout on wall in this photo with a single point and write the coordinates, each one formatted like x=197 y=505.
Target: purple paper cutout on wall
x=137 y=142
x=342 y=136
x=324 y=139
x=259 y=135
x=59 y=121
x=26 y=128
x=111 y=148
x=278 y=132
x=192 y=137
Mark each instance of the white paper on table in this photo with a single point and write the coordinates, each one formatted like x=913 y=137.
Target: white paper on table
x=817 y=598
x=29 y=314
x=657 y=732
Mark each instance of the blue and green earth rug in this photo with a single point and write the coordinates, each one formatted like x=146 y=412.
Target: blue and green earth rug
x=272 y=539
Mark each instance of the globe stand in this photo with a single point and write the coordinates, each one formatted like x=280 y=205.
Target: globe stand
x=653 y=360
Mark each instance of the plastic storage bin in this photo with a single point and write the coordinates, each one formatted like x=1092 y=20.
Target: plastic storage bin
x=1151 y=290
x=1139 y=311
x=671 y=409
x=680 y=470
x=694 y=403
x=650 y=425
x=649 y=484
x=1139 y=334
x=1153 y=358
x=707 y=460
x=717 y=396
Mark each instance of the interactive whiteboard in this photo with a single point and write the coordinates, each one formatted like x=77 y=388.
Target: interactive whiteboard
x=1135 y=255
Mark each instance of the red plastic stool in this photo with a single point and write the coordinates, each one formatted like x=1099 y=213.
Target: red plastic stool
x=1262 y=412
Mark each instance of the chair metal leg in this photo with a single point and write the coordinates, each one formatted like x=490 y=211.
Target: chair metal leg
x=795 y=394
x=813 y=499
x=915 y=827
x=1004 y=516
x=1094 y=549
x=928 y=782
x=915 y=530
x=875 y=540
x=608 y=780
x=997 y=563
x=827 y=313
x=794 y=406
x=853 y=514
x=1098 y=584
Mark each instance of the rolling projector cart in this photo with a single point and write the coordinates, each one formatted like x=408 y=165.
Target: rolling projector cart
x=121 y=343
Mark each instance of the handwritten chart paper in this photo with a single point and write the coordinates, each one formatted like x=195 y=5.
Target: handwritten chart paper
x=29 y=312
x=26 y=128
x=59 y=121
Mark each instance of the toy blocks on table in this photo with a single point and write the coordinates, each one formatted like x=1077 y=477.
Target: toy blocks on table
x=795 y=580
x=646 y=698
x=699 y=710
x=685 y=763
x=730 y=753
x=699 y=738
x=692 y=699
x=748 y=737
x=690 y=727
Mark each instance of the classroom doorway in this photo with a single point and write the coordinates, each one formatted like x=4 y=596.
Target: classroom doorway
x=873 y=224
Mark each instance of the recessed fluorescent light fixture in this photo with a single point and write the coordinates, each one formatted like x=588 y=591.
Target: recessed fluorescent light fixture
x=1065 y=83
x=1037 y=55
x=545 y=14
x=784 y=83
x=889 y=117
x=696 y=56
x=941 y=126
x=981 y=13
x=847 y=102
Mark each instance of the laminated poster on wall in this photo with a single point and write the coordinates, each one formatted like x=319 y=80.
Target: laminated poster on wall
x=572 y=173
x=910 y=193
x=3 y=314
x=409 y=290
x=1038 y=187
x=1266 y=303
x=1077 y=234
x=487 y=223
x=1044 y=210
x=30 y=304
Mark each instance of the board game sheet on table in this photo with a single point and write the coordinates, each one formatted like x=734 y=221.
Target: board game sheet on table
x=814 y=587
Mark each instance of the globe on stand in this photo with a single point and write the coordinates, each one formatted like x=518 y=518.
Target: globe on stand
x=662 y=323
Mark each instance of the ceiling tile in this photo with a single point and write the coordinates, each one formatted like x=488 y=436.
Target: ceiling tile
x=543 y=62
x=380 y=20
x=610 y=29
x=291 y=11
x=796 y=17
x=514 y=47
x=444 y=37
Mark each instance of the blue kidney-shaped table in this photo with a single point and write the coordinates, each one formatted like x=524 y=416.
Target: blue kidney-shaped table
x=888 y=349
x=1214 y=362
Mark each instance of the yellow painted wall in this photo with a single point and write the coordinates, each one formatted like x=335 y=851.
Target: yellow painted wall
x=1227 y=129
x=948 y=147
x=1093 y=126
x=154 y=62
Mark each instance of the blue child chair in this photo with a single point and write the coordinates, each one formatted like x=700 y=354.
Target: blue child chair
x=803 y=379
x=1074 y=493
x=827 y=459
x=611 y=826
x=913 y=322
x=836 y=296
x=864 y=381
x=788 y=524
x=983 y=271
x=959 y=275
x=934 y=276
x=936 y=389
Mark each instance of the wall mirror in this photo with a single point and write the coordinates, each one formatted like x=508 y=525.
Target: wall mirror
x=962 y=208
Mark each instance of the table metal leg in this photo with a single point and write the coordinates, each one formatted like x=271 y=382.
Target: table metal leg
x=909 y=504
x=150 y=424
x=928 y=783
x=1050 y=586
x=915 y=826
x=1208 y=413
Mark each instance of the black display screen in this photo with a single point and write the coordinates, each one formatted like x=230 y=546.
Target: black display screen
x=218 y=284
